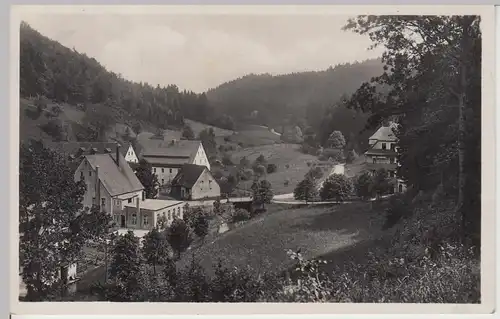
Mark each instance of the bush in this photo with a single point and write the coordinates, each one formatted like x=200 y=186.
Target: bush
x=336 y=156
x=399 y=206
x=226 y=160
x=54 y=128
x=259 y=170
x=337 y=187
x=271 y=168
x=227 y=138
x=245 y=174
x=240 y=215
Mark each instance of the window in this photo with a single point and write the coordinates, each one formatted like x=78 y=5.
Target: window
x=162 y=181
x=162 y=170
x=164 y=215
x=134 y=219
x=393 y=147
x=103 y=202
x=374 y=161
x=117 y=202
x=154 y=169
x=130 y=200
x=210 y=184
x=384 y=146
x=145 y=220
x=393 y=160
x=170 y=171
x=179 y=212
x=90 y=173
x=93 y=201
x=81 y=175
x=169 y=214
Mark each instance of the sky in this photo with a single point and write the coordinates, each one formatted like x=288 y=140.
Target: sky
x=199 y=52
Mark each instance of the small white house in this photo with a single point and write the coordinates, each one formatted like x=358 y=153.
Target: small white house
x=130 y=154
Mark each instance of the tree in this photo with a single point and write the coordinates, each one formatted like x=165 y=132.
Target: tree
x=207 y=137
x=155 y=249
x=336 y=186
x=305 y=190
x=260 y=170
x=200 y=225
x=364 y=185
x=260 y=160
x=432 y=82
x=262 y=193
x=125 y=269
x=244 y=162
x=179 y=236
x=187 y=132
x=148 y=179
x=336 y=140
x=314 y=173
x=271 y=168
x=53 y=224
x=381 y=183
x=351 y=156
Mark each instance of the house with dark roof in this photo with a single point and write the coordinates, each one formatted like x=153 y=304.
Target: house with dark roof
x=194 y=182
x=168 y=157
x=382 y=153
x=75 y=151
x=111 y=184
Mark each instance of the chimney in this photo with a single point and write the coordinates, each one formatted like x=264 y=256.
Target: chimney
x=118 y=154
x=138 y=210
x=97 y=187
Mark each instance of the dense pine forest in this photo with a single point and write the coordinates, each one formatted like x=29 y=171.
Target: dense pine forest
x=62 y=75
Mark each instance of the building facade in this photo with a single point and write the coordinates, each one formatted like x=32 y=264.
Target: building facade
x=383 y=154
x=194 y=182
x=150 y=213
x=167 y=158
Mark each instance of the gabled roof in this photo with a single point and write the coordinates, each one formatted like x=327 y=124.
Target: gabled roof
x=116 y=179
x=188 y=175
x=385 y=133
x=382 y=152
x=173 y=148
x=173 y=162
x=77 y=149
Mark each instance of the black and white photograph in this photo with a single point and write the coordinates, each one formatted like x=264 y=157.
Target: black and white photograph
x=260 y=157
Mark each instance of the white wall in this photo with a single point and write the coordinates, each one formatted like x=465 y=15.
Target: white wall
x=89 y=175
x=205 y=186
x=165 y=174
x=131 y=156
x=201 y=157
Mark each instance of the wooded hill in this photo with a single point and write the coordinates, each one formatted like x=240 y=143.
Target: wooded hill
x=66 y=76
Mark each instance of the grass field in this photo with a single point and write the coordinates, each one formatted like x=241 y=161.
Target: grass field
x=316 y=231
x=281 y=155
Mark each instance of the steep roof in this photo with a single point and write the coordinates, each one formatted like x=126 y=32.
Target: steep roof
x=385 y=133
x=188 y=175
x=84 y=148
x=174 y=162
x=173 y=148
x=377 y=151
x=116 y=179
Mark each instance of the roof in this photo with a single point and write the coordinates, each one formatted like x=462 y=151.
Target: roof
x=377 y=166
x=154 y=204
x=176 y=162
x=188 y=175
x=173 y=148
x=385 y=133
x=378 y=151
x=116 y=180
x=84 y=148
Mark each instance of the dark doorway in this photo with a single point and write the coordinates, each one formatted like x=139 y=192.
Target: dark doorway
x=122 y=220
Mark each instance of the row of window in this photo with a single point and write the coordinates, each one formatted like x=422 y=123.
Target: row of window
x=393 y=146
x=170 y=214
x=133 y=221
x=162 y=170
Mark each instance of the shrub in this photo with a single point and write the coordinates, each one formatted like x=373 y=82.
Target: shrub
x=54 y=128
x=259 y=170
x=227 y=138
x=226 y=160
x=246 y=174
x=240 y=215
x=271 y=168
x=337 y=187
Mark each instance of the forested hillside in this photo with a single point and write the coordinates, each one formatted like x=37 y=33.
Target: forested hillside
x=267 y=99
x=62 y=75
